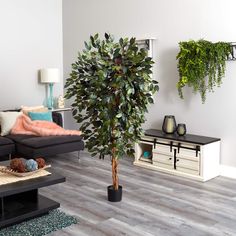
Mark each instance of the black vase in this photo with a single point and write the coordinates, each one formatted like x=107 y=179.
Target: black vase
x=114 y=195
x=181 y=129
x=169 y=124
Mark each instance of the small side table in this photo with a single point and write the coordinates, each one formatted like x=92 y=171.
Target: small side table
x=61 y=110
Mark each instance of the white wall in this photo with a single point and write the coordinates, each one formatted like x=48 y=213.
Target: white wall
x=170 y=22
x=31 y=38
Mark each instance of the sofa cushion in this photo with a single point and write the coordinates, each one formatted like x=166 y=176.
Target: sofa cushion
x=30 y=152
x=5 y=141
x=30 y=146
x=19 y=137
x=39 y=142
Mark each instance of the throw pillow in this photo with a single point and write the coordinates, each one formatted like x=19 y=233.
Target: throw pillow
x=40 y=116
x=26 y=109
x=7 y=121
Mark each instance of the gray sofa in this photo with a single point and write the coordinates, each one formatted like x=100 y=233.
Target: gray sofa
x=30 y=146
x=7 y=146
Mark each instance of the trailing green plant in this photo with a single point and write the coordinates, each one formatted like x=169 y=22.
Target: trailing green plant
x=201 y=65
x=111 y=86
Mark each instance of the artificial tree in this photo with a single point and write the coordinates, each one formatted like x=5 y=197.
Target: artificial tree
x=201 y=65
x=112 y=86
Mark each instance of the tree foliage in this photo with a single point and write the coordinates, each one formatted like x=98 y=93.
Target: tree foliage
x=201 y=65
x=112 y=86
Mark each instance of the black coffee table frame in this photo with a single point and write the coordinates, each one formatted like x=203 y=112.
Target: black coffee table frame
x=20 y=201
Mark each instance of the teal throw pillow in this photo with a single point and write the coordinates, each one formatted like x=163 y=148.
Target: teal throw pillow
x=40 y=116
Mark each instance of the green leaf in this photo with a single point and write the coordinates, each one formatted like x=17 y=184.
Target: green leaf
x=74 y=112
x=87 y=46
x=92 y=42
x=201 y=65
x=150 y=100
x=95 y=36
x=106 y=36
x=132 y=41
x=121 y=41
x=119 y=115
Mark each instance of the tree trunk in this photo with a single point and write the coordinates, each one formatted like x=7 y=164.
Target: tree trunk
x=115 y=179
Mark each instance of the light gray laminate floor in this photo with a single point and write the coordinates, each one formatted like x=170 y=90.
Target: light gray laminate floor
x=153 y=203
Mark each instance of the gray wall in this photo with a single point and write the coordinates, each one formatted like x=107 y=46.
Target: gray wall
x=169 y=22
x=31 y=38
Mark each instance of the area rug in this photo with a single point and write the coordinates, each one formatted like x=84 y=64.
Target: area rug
x=40 y=226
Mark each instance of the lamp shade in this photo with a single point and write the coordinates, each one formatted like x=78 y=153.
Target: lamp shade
x=49 y=75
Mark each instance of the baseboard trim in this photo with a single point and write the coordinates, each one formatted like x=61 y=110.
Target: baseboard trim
x=228 y=171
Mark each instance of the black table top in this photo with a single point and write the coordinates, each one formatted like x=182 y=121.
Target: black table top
x=188 y=138
x=27 y=185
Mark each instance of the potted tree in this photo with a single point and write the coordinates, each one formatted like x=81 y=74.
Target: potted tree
x=111 y=86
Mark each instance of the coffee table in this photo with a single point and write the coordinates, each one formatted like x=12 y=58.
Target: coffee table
x=21 y=201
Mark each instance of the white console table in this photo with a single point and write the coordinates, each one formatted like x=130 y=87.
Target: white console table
x=191 y=156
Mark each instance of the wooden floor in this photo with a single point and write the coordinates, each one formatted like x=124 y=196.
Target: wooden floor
x=153 y=203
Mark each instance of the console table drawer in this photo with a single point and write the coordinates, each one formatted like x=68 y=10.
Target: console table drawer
x=188 y=171
x=163 y=165
x=165 y=159
x=162 y=149
x=188 y=153
x=187 y=163
x=188 y=158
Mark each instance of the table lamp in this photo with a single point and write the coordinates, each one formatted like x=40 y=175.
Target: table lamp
x=50 y=76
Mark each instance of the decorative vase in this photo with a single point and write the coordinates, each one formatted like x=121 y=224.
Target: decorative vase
x=114 y=195
x=146 y=154
x=181 y=129
x=169 y=124
x=61 y=102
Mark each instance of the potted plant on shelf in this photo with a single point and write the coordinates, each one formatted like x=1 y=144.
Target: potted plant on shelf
x=111 y=86
x=201 y=65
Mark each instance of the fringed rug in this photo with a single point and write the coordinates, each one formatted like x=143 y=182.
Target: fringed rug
x=40 y=226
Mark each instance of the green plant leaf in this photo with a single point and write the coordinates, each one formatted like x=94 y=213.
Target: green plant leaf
x=106 y=36
x=201 y=65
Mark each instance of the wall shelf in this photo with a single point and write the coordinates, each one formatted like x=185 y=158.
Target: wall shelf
x=146 y=43
x=232 y=57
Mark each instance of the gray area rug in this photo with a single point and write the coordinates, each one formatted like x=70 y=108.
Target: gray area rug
x=40 y=226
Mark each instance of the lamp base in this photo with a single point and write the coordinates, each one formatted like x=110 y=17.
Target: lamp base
x=50 y=98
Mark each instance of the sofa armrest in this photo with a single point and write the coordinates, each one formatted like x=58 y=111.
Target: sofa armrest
x=57 y=118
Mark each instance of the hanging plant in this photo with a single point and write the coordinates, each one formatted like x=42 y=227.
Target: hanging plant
x=201 y=65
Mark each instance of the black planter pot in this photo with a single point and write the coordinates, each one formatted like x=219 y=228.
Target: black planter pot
x=114 y=195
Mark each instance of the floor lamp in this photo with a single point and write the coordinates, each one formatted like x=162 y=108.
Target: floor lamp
x=50 y=76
